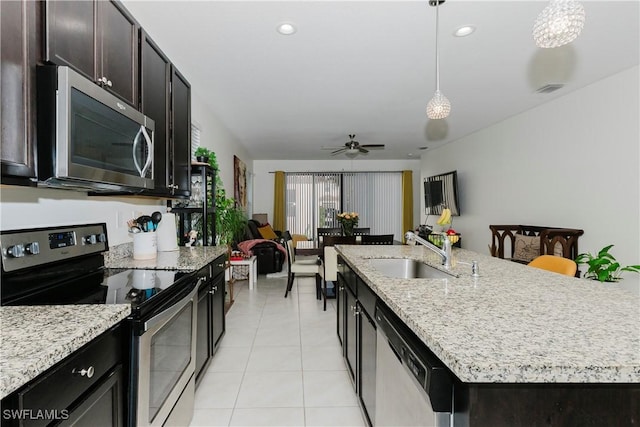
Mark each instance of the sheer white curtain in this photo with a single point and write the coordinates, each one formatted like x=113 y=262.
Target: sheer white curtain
x=314 y=198
x=377 y=197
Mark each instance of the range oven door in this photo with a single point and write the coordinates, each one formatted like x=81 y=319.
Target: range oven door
x=166 y=363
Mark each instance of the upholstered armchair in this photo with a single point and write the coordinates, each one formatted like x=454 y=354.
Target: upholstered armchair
x=262 y=241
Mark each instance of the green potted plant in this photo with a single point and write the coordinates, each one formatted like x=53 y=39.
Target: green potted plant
x=231 y=221
x=604 y=266
x=204 y=155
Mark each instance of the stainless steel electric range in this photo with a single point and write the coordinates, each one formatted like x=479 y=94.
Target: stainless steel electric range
x=65 y=265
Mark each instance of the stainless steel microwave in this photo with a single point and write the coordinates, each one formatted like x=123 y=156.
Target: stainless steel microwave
x=89 y=138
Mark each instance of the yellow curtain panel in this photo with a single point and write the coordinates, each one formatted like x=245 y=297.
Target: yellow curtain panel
x=407 y=201
x=279 y=222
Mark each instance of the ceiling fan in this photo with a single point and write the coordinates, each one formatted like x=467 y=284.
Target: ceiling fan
x=353 y=148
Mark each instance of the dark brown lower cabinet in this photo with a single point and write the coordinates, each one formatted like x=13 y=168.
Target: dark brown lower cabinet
x=210 y=316
x=85 y=389
x=357 y=334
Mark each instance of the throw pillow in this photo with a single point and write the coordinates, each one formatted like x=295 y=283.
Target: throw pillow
x=558 y=250
x=266 y=231
x=526 y=247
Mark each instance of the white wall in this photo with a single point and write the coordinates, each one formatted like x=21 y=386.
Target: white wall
x=263 y=178
x=216 y=137
x=573 y=162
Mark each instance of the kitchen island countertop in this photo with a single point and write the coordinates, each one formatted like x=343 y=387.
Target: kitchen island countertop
x=184 y=259
x=35 y=338
x=514 y=323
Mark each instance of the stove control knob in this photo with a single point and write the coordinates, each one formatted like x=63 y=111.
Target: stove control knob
x=15 y=251
x=93 y=239
x=32 y=248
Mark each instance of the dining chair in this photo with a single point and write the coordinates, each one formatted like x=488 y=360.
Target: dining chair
x=329 y=270
x=376 y=239
x=301 y=266
x=321 y=233
x=338 y=240
x=329 y=273
x=362 y=231
x=557 y=264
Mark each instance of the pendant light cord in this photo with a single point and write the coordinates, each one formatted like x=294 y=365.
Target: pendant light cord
x=437 y=54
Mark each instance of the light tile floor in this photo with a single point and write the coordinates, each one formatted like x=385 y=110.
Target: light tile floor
x=280 y=363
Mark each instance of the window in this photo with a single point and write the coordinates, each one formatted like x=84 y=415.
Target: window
x=195 y=140
x=314 y=198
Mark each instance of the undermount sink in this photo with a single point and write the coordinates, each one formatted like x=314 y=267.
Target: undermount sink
x=404 y=268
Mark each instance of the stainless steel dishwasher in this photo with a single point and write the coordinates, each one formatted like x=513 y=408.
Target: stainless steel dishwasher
x=413 y=387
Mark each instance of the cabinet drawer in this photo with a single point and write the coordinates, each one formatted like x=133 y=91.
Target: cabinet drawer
x=59 y=387
x=366 y=298
x=349 y=276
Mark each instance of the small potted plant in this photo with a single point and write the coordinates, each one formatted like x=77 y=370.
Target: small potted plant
x=603 y=266
x=202 y=154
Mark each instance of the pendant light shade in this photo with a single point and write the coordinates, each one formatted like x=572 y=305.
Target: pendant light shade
x=439 y=107
x=559 y=23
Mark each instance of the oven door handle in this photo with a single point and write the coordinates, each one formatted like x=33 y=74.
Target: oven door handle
x=167 y=314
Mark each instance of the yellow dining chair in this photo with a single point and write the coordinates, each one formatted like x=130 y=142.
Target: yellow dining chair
x=557 y=264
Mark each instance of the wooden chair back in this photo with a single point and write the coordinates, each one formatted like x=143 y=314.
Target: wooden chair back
x=376 y=239
x=363 y=231
x=338 y=240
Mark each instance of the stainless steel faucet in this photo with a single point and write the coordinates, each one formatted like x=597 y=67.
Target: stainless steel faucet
x=445 y=252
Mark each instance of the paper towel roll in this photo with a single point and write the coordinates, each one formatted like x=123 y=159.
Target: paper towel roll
x=167 y=233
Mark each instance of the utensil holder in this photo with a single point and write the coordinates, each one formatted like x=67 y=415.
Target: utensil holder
x=145 y=245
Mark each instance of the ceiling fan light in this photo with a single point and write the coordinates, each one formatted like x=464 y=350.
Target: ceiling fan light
x=439 y=107
x=559 y=23
x=352 y=152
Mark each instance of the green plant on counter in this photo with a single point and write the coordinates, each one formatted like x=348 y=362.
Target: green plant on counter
x=604 y=266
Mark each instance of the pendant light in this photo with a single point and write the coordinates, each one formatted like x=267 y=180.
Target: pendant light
x=439 y=106
x=558 y=24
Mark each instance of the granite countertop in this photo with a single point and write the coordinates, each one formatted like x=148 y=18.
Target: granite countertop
x=514 y=323
x=184 y=259
x=35 y=338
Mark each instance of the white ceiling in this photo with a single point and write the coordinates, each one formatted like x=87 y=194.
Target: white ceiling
x=368 y=67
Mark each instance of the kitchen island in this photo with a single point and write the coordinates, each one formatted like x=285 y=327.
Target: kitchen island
x=524 y=344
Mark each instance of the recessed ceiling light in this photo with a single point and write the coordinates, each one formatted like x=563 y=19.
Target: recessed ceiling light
x=464 y=31
x=286 y=28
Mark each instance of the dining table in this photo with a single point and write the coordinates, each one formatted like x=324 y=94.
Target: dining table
x=308 y=247
x=314 y=247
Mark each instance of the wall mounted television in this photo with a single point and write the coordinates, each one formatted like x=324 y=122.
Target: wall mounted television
x=441 y=191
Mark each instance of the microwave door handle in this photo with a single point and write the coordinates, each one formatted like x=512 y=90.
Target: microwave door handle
x=149 y=151
x=135 y=146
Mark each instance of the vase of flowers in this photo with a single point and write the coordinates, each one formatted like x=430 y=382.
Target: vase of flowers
x=348 y=220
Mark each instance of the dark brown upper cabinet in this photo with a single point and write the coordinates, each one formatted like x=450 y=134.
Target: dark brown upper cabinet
x=98 y=39
x=155 y=78
x=20 y=52
x=180 y=134
x=166 y=98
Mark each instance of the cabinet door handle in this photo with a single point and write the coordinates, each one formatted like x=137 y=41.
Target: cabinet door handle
x=84 y=372
x=109 y=83
x=341 y=288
